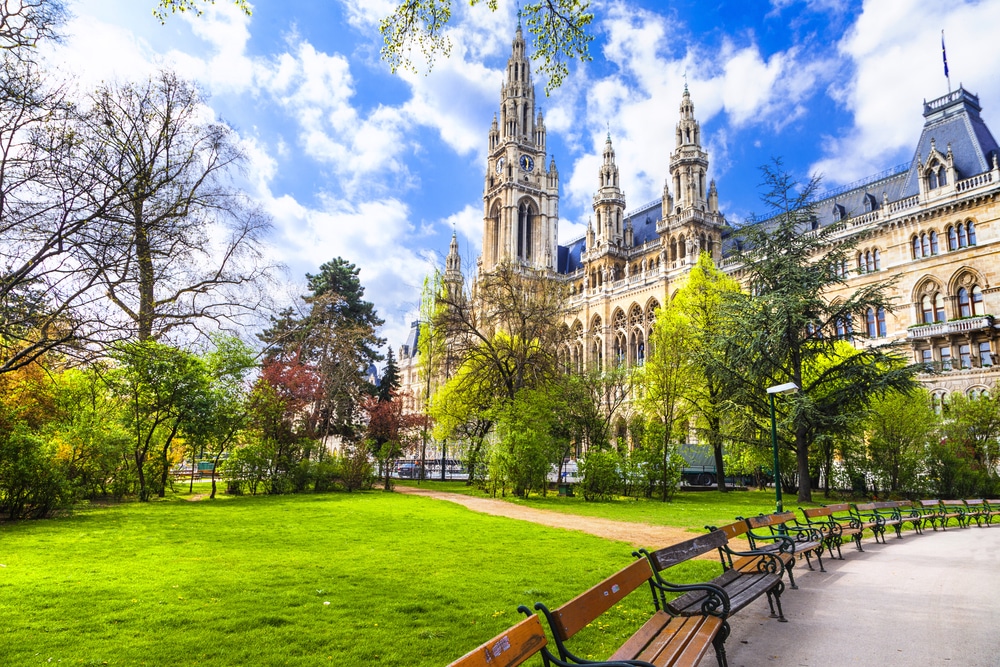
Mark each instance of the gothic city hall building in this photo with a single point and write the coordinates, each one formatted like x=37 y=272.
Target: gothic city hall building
x=932 y=224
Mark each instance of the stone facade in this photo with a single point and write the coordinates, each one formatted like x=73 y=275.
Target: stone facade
x=933 y=225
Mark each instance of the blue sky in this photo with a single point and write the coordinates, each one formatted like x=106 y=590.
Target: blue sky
x=353 y=161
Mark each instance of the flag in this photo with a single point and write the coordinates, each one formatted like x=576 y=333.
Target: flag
x=944 y=55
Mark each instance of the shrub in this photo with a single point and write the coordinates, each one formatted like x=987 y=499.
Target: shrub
x=601 y=474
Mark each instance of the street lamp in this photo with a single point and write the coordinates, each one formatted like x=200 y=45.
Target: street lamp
x=787 y=388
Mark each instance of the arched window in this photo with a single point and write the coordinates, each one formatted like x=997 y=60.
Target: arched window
x=640 y=357
x=942 y=176
x=977 y=300
x=964 y=303
x=963 y=239
x=932 y=181
x=938 y=307
x=934 y=242
x=880 y=321
x=838 y=212
x=870 y=323
x=916 y=248
x=869 y=264
x=840 y=328
x=925 y=245
x=861 y=263
x=952 y=238
x=927 y=309
x=876 y=260
x=971 y=229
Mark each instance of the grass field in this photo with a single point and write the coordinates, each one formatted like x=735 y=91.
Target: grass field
x=245 y=581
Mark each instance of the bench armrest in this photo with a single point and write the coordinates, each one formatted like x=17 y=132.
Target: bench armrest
x=716 y=601
x=573 y=660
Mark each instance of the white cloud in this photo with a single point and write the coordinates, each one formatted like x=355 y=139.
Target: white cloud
x=895 y=51
x=469 y=224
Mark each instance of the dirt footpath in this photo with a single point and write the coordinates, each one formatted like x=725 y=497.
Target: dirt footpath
x=635 y=534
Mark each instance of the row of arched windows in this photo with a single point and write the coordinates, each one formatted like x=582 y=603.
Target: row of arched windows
x=869 y=261
x=629 y=339
x=968 y=303
x=960 y=235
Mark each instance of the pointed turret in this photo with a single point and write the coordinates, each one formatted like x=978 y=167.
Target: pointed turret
x=521 y=197
x=609 y=201
x=453 y=269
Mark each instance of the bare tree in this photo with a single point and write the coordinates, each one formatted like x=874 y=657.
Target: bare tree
x=23 y=23
x=179 y=243
x=48 y=205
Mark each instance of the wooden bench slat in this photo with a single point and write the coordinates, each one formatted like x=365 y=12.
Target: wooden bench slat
x=585 y=607
x=682 y=551
x=511 y=648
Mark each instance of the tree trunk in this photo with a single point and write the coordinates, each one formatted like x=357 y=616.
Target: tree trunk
x=166 y=463
x=802 y=456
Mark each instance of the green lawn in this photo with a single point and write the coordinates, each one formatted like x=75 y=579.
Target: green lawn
x=244 y=581
x=692 y=510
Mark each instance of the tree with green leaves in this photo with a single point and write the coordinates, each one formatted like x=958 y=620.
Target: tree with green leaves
x=164 y=390
x=899 y=430
x=560 y=29
x=332 y=337
x=789 y=318
x=528 y=442
x=164 y=8
x=700 y=302
x=665 y=381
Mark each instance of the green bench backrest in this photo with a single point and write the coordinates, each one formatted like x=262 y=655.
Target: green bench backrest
x=585 y=607
x=511 y=648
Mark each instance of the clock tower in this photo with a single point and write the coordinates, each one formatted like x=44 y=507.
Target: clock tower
x=521 y=193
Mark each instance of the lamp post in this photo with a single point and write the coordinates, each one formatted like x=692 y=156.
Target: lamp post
x=787 y=388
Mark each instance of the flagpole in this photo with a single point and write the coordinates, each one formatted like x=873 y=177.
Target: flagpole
x=944 y=57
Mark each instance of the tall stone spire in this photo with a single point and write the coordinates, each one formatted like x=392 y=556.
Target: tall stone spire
x=609 y=201
x=453 y=268
x=688 y=162
x=521 y=196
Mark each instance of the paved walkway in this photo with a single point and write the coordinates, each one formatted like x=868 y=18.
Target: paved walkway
x=931 y=599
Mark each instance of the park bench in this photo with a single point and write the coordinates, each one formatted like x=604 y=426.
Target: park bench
x=741 y=587
x=836 y=522
x=515 y=645
x=992 y=508
x=664 y=640
x=753 y=561
x=781 y=529
x=953 y=509
x=910 y=515
x=896 y=513
x=930 y=510
x=868 y=514
x=975 y=509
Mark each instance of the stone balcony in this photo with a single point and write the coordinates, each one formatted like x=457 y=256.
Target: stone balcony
x=939 y=329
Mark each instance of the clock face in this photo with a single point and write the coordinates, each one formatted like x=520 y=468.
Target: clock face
x=500 y=162
x=527 y=163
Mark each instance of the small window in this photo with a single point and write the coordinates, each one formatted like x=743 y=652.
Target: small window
x=932 y=181
x=952 y=238
x=838 y=212
x=927 y=309
x=942 y=177
x=880 y=321
x=963 y=239
x=971 y=229
x=965 y=356
x=985 y=354
x=877 y=260
x=870 y=323
x=934 y=242
x=927 y=357
x=944 y=353
x=916 y=248
x=925 y=245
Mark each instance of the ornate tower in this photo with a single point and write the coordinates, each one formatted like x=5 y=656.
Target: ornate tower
x=453 y=269
x=609 y=202
x=691 y=221
x=521 y=196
